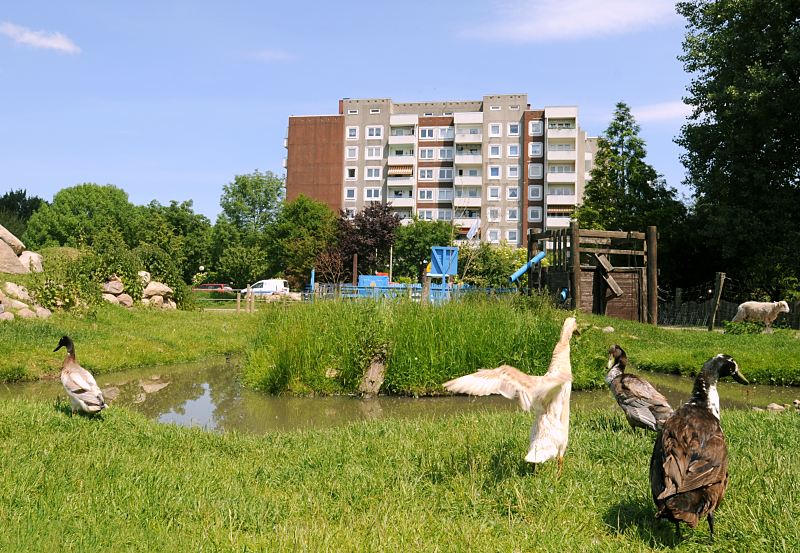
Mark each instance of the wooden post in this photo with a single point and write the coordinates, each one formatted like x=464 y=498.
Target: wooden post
x=426 y=290
x=531 y=252
x=248 y=298
x=355 y=269
x=575 y=261
x=719 y=282
x=652 y=275
x=238 y=301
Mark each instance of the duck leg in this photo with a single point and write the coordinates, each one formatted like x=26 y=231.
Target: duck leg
x=711 y=525
x=678 y=530
x=560 y=465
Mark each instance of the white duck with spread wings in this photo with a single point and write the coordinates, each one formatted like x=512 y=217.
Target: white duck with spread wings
x=548 y=395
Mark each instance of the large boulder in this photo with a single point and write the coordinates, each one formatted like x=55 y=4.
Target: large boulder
x=42 y=312
x=2 y=308
x=6 y=316
x=157 y=301
x=26 y=313
x=157 y=289
x=31 y=260
x=9 y=262
x=145 y=301
x=111 y=298
x=15 y=304
x=125 y=300
x=113 y=286
x=169 y=304
x=144 y=277
x=12 y=241
x=17 y=291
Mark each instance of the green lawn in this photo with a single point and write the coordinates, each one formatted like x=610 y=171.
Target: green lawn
x=123 y=483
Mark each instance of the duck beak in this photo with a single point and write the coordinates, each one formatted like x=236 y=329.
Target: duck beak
x=739 y=377
x=58 y=348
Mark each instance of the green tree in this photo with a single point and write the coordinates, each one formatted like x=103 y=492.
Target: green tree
x=241 y=265
x=252 y=202
x=16 y=207
x=489 y=266
x=303 y=230
x=80 y=214
x=742 y=139
x=413 y=243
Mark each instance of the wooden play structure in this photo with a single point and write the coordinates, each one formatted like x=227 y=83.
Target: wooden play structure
x=611 y=273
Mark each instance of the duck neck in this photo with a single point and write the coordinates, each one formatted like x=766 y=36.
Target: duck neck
x=615 y=372
x=705 y=392
x=561 y=351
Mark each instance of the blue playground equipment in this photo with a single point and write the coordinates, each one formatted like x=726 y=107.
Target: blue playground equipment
x=522 y=270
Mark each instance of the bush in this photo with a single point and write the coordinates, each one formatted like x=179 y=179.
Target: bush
x=162 y=268
x=67 y=281
x=744 y=327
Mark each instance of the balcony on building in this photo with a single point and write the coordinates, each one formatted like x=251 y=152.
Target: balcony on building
x=559 y=216
x=466 y=201
x=562 y=199
x=558 y=221
x=468 y=180
x=469 y=135
x=400 y=180
x=561 y=151
x=561 y=173
x=403 y=119
x=400 y=202
x=468 y=155
x=405 y=158
x=402 y=136
x=468 y=118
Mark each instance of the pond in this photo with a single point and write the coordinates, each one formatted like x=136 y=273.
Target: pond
x=212 y=397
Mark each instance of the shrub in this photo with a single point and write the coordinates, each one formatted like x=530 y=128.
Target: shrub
x=744 y=327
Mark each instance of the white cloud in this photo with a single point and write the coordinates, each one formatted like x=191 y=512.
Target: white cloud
x=272 y=55
x=39 y=39
x=664 y=111
x=564 y=20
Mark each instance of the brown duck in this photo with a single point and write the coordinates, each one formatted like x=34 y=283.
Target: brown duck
x=643 y=405
x=84 y=393
x=689 y=466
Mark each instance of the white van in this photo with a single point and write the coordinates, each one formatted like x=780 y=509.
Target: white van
x=269 y=286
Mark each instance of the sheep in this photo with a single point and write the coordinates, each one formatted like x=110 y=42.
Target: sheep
x=762 y=311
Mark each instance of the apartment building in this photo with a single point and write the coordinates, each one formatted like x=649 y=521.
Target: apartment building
x=493 y=165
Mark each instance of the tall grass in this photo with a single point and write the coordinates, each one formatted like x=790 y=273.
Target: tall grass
x=111 y=338
x=122 y=483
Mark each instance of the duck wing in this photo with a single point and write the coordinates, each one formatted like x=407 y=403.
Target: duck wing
x=532 y=391
x=691 y=451
x=80 y=383
x=641 y=401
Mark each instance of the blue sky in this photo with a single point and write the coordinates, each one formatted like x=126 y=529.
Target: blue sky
x=170 y=100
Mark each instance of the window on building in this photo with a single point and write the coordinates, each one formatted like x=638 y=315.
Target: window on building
x=373 y=173
x=494 y=235
x=447 y=113
x=444 y=194
x=426 y=133
x=473 y=193
x=350 y=212
x=445 y=174
x=536 y=128
x=494 y=150
x=446 y=133
x=495 y=129
x=494 y=171
x=514 y=107
x=426 y=174
x=560 y=168
x=374 y=152
x=535 y=214
x=349 y=193
x=535 y=171
x=513 y=150
x=374 y=132
x=445 y=153
x=513 y=129
x=374 y=111
x=535 y=192
x=512 y=193
x=425 y=194
x=535 y=149
x=494 y=193
x=494 y=214
x=351 y=173
x=473 y=173
x=512 y=236
x=494 y=108
x=426 y=153
x=512 y=214
x=352 y=112
x=561 y=124
x=425 y=214
x=372 y=194
x=444 y=215
x=351 y=152
x=352 y=133
x=512 y=171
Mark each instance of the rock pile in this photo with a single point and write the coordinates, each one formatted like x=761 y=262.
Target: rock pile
x=16 y=302
x=14 y=258
x=156 y=294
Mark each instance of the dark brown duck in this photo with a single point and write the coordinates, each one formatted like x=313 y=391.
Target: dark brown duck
x=689 y=466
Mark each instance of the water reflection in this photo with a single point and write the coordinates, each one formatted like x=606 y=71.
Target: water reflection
x=212 y=397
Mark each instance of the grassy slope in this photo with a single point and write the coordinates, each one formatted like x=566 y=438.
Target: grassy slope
x=114 y=339
x=451 y=484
